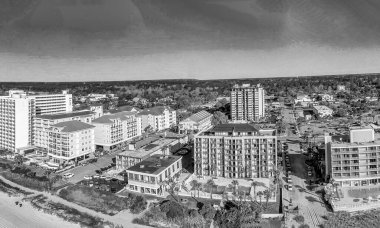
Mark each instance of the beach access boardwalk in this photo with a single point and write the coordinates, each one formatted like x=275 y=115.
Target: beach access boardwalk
x=123 y=218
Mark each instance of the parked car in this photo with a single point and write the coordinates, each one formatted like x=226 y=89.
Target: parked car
x=183 y=152
x=68 y=175
x=87 y=177
x=309 y=174
x=290 y=187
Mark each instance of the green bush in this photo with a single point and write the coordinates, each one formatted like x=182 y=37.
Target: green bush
x=299 y=219
x=172 y=209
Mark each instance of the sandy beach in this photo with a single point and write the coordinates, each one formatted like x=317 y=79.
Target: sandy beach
x=12 y=216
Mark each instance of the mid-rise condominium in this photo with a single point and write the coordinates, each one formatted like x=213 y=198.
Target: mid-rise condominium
x=47 y=104
x=16 y=121
x=42 y=124
x=247 y=102
x=158 y=118
x=114 y=129
x=353 y=160
x=70 y=141
x=235 y=151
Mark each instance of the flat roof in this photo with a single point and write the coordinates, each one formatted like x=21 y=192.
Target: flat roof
x=155 y=164
x=147 y=149
x=65 y=115
x=107 y=119
x=72 y=126
x=234 y=128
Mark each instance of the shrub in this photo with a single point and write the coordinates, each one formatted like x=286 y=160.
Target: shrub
x=208 y=212
x=303 y=226
x=299 y=218
x=172 y=209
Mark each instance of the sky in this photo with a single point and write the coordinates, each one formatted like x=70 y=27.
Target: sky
x=100 y=40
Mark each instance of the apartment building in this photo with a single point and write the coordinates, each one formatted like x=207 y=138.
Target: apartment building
x=322 y=110
x=70 y=141
x=159 y=118
x=235 y=151
x=114 y=129
x=147 y=176
x=197 y=122
x=43 y=123
x=16 y=121
x=354 y=159
x=247 y=102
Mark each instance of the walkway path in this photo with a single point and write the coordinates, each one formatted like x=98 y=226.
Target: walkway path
x=122 y=218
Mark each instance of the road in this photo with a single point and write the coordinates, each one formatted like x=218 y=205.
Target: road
x=310 y=205
x=81 y=171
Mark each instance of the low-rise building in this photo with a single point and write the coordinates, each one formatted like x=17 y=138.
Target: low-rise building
x=354 y=159
x=147 y=177
x=70 y=141
x=322 y=110
x=114 y=129
x=195 y=123
x=139 y=152
x=43 y=123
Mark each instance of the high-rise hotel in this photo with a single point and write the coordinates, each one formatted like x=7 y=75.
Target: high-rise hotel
x=235 y=151
x=247 y=102
x=16 y=121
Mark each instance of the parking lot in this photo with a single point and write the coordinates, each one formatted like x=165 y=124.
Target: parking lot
x=89 y=169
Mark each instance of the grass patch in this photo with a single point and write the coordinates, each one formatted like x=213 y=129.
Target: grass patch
x=105 y=202
x=10 y=190
x=364 y=192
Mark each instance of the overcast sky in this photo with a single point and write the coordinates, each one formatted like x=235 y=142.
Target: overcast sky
x=78 y=40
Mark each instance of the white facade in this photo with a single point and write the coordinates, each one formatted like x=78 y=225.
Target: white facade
x=197 y=122
x=247 y=102
x=322 y=110
x=70 y=141
x=159 y=118
x=43 y=123
x=16 y=121
x=47 y=104
x=111 y=130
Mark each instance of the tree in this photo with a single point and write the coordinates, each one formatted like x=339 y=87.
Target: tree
x=235 y=183
x=149 y=129
x=211 y=185
x=198 y=186
x=219 y=118
x=260 y=195
x=207 y=211
x=267 y=194
x=194 y=184
x=19 y=159
x=254 y=184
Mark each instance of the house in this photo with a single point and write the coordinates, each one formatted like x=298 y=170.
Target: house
x=197 y=122
x=322 y=111
x=326 y=97
x=147 y=177
x=341 y=88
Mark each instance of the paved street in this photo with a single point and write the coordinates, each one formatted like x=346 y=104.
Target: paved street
x=310 y=205
x=81 y=171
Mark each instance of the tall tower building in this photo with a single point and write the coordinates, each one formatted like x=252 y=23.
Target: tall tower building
x=17 y=112
x=247 y=102
x=49 y=104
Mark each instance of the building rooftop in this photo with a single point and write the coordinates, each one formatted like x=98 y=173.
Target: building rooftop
x=125 y=108
x=107 y=119
x=155 y=164
x=65 y=115
x=156 y=111
x=197 y=117
x=234 y=128
x=72 y=126
x=147 y=149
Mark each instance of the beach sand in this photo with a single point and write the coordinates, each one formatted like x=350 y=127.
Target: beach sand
x=12 y=216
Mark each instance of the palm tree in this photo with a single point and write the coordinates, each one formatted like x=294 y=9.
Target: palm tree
x=194 y=184
x=240 y=195
x=254 y=184
x=260 y=195
x=211 y=184
x=235 y=183
x=198 y=186
x=267 y=194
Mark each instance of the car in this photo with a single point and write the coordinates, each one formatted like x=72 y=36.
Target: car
x=290 y=187
x=95 y=176
x=102 y=177
x=309 y=174
x=183 y=152
x=87 y=177
x=68 y=175
x=290 y=180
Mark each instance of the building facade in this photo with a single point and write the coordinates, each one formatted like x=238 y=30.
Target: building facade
x=70 y=141
x=235 y=151
x=159 y=118
x=353 y=160
x=16 y=121
x=322 y=110
x=247 y=102
x=114 y=129
x=195 y=123
x=47 y=104
x=147 y=176
x=43 y=123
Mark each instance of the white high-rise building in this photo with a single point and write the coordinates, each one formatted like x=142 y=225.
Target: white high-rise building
x=16 y=121
x=48 y=104
x=247 y=102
